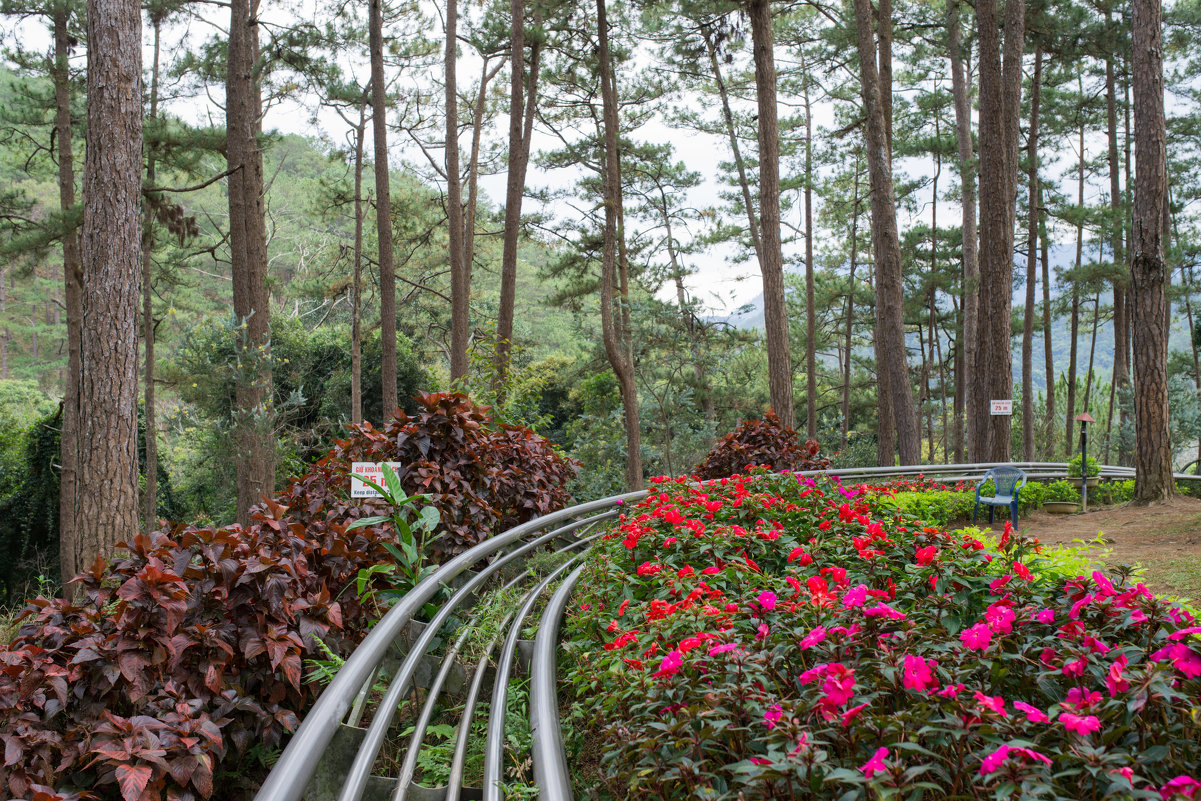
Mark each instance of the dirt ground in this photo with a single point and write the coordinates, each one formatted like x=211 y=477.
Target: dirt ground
x=1164 y=538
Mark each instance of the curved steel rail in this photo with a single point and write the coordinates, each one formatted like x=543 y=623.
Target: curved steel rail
x=400 y=650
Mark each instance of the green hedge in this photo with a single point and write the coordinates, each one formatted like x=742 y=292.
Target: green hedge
x=945 y=507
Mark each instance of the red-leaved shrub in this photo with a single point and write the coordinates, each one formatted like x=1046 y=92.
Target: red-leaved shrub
x=186 y=650
x=483 y=478
x=766 y=441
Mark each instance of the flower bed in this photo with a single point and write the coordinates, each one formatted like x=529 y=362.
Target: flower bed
x=763 y=636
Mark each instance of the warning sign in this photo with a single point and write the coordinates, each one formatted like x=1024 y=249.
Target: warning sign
x=373 y=471
x=1002 y=407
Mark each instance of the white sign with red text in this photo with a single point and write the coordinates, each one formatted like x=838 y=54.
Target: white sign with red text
x=1002 y=407
x=373 y=471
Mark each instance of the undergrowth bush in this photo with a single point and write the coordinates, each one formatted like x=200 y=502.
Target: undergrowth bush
x=177 y=668
x=769 y=637
x=766 y=441
x=482 y=477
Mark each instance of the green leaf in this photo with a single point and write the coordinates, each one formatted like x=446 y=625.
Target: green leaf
x=363 y=522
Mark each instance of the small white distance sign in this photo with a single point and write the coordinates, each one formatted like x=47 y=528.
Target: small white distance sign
x=371 y=470
x=1002 y=407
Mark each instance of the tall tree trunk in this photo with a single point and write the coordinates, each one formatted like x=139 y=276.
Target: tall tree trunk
x=107 y=479
x=935 y=338
x=1031 y=263
x=960 y=91
x=1000 y=96
x=617 y=354
x=460 y=290
x=810 y=301
x=846 y=367
x=1149 y=305
x=356 y=299
x=520 y=128
x=1048 y=351
x=890 y=324
x=728 y=118
x=383 y=212
x=253 y=426
x=1092 y=353
x=68 y=526
x=1121 y=286
x=771 y=259
x=473 y=165
x=1071 y=410
x=150 y=433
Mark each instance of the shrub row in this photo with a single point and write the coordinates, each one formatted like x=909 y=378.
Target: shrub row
x=766 y=441
x=944 y=506
x=178 y=664
x=767 y=637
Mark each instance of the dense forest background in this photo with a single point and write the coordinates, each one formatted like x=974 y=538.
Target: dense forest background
x=688 y=138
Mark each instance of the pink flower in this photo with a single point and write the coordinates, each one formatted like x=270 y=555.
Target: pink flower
x=977 y=638
x=1105 y=587
x=1022 y=571
x=994 y=703
x=721 y=649
x=1079 y=605
x=802 y=742
x=1045 y=616
x=762 y=631
x=997 y=585
x=853 y=713
x=649 y=569
x=1000 y=618
x=1182 y=633
x=760 y=761
x=1080 y=725
x=951 y=691
x=1073 y=668
x=670 y=665
x=876 y=763
x=855 y=597
x=1080 y=698
x=1126 y=773
x=1183 y=659
x=813 y=638
x=1033 y=713
x=994 y=760
x=918 y=673
x=767 y=600
x=772 y=715
x=839 y=685
x=883 y=609
x=1181 y=785
x=813 y=673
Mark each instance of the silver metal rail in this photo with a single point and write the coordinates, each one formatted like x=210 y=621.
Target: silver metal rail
x=332 y=758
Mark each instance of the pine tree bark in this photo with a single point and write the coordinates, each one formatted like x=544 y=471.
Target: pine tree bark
x=771 y=259
x=460 y=300
x=1031 y=262
x=891 y=363
x=614 y=350
x=254 y=436
x=1000 y=106
x=356 y=299
x=1069 y=424
x=1148 y=273
x=150 y=429
x=383 y=212
x=68 y=530
x=107 y=479
x=846 y=367
x=960 y=92
x=521 y=125
x=1048 y=350
x=1121 y=284
x=810 y=290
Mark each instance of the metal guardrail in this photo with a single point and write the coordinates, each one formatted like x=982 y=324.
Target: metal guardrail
x=331 y=756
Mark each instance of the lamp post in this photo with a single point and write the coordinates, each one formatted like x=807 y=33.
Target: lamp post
x=1084 y=420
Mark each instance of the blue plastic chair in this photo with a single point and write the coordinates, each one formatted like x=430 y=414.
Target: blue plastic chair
x=1009 y=481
